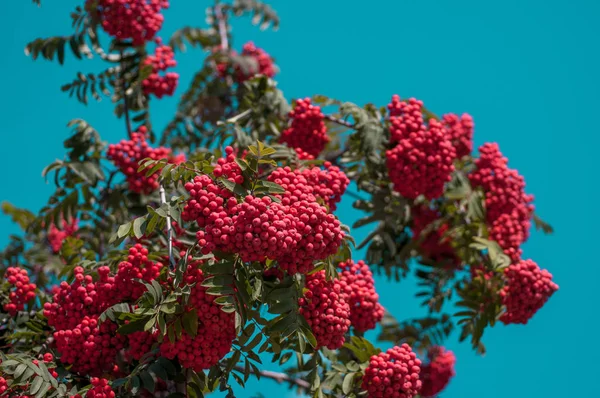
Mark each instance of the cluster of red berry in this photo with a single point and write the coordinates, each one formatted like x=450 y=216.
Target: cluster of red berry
x=91 y=347
x=527 y=289
x=261 y=64
x=157 y=83
x=127 y=154
x=393 y=374
x=328 y=184
x=264 y=62
x=359 y=287
x=302 y=155
x=100 y=389
x=436 y=374
x=508 y=207
x=138 y=20
x=422 y=160
x=81 y=340
x=307 y=131
x=216 y=329
x=57 y=235
x=138 y=266
x=460 y=130
x=325 y=309
x=331 y=307
x=294 y=232
x=22 y=292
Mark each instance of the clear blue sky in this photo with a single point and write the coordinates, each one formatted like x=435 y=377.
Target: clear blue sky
x=526 y=70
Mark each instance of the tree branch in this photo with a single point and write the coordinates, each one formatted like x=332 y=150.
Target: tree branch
x=125 y=105
x=169 y=229
x=280 y=378
x=222 y=27
x=340 y=122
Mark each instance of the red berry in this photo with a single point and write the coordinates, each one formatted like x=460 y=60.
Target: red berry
x=22 y=292
x=436 y=374
x=393 y=374
x=422 y=160
x=157 y=83
x=527 y=289
x=307 y=130
x=127 y=154
x=359 y=286
x=138 y=20
x=325 y=309
x=56 y=236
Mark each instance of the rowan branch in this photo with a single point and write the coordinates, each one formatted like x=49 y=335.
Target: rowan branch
x=222 y=27
x=280 y=378
x=340 y=122
x=125 y=105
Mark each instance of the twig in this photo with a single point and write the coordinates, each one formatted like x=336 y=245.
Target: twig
x=340 y=122
x=222 y=27
x=169 y=230
x=279 y=377
x=125 y=106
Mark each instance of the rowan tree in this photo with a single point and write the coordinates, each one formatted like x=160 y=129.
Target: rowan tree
x=183 y=261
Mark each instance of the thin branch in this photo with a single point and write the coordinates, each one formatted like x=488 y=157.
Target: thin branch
x=125 y=105
x=169 y=229
x=279 y=378
x=222 y=27
x=340 y=122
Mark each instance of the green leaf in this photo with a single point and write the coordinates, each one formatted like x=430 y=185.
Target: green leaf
x=233 y=187
x=347 y=384
x=190 y=322
x=139 y=227
x=123 y=230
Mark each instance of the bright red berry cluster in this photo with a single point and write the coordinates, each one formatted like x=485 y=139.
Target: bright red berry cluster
x=137 y=266
x=56 y=236
x=138 y=20
x=303 y=155
x=321 y=237
x=90 y=347
x=325 y=309
x=157 y=83
x=359 y=287
x=74 y=312
x=508 y=207
x=139 y=344
x=307 y=129
x=83 y=297
x=436 y=374
x=527 y=289
x=3 y=385
x=264 y=63
x=393 y=374
x=433 y=244
x=23 y=290
x=328 y=184
x=422 y=160
x=127 y=154
x=216 y=329
x=295 y=232
x=100 y=389
x=460 y=130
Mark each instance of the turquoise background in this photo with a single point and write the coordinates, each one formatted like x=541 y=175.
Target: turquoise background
x=527 y=70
